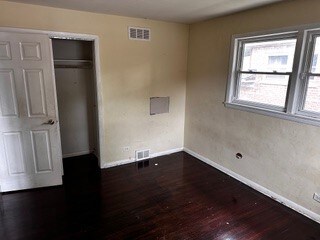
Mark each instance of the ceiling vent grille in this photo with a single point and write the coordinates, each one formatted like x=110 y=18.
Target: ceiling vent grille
x=137 y=33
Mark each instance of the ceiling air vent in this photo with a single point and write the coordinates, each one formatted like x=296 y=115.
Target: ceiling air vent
x=137 y=33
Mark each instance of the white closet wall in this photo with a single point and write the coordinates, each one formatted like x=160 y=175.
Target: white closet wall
x=75 y=92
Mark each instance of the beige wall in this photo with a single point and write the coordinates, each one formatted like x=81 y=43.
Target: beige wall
x=131 y=72
x=280 y=155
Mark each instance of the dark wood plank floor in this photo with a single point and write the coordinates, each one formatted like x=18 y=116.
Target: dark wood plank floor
x=170 y=197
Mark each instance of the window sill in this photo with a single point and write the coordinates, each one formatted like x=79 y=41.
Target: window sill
x=273 y=113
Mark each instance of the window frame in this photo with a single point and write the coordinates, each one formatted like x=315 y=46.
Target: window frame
x=306 y=73
x=298 y=78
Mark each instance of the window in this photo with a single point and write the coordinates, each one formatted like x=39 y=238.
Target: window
x=311 y=102
x=277 y=74
x=263 y=77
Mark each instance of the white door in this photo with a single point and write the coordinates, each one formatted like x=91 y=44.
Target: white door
x=30 y=150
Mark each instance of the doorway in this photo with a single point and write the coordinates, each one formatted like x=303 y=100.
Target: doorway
x=76 y=96
x=30 y=149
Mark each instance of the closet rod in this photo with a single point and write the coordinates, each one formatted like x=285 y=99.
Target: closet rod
x=85 y=64
x=74 y=67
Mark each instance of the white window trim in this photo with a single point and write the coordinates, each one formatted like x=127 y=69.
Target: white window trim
x=297 y=85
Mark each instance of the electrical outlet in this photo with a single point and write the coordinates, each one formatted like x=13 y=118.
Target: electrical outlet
x=316 y=197
x=126 y=149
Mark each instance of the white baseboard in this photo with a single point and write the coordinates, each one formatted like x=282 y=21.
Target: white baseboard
x=288 y=203
x=167 y=152
x=75 y=154
x=132 y=160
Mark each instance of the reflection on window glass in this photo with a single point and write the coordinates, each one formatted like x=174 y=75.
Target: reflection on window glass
x=312 y=102
x=314 y=63
x=269 y=56
x=315 y=66
x=263 y=88
x=278 y=60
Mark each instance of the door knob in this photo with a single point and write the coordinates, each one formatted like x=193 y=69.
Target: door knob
x=50 y=122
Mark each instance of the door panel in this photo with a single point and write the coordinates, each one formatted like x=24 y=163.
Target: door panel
x=33 y=81
x=30 y=149
x=5 y=51
x=14 y=153
x=41 y=150
x=30 y=51
x=8 y=100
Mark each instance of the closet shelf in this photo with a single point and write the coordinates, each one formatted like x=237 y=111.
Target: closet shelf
x=59 y=63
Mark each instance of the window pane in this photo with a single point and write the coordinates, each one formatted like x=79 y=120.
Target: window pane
x=264 y=88
x=269 y=56
x=315 y=65
x=312 y=102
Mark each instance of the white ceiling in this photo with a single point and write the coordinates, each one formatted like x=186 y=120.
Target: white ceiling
x=183 y=11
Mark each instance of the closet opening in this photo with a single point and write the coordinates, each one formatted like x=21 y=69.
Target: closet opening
x=77 y=99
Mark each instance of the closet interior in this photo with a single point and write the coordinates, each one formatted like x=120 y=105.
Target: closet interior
x=76 y=95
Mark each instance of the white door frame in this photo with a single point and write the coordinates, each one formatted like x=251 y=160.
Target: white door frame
x=97 y=73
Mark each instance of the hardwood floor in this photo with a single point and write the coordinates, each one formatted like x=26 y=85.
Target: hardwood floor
x=169 y=197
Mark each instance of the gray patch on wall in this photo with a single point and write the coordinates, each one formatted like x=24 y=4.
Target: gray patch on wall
x=159 y=105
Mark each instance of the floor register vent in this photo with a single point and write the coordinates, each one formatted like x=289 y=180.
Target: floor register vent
x=142 y=154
